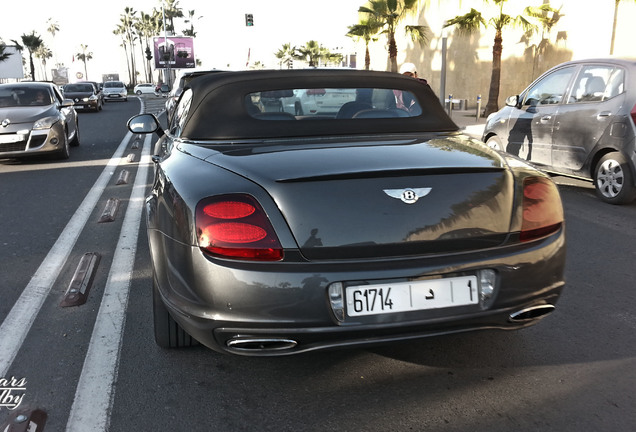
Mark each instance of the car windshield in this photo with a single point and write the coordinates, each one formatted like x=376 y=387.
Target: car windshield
x=113 y=84
x=78 y=88
x=24 y=96
x=336 y=103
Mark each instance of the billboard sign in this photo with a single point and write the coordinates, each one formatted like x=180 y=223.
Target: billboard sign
x=175 y=52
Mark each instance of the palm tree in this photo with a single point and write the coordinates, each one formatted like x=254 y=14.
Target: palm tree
x=126 y=27
x=312 y=52
x=172 y=11
x=121 y=31
x=286 y=55
x=44 y=53
x=31 y=42
x=190 y=32
x=3 y=55
x=616 y=2
x=365 y=30
x=547 y=17
x=84 y=57
x=388 y=14
x=53 y=28
x=148 y=26
x=471 y=22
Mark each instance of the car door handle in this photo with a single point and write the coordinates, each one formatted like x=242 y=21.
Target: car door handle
x=546 y=118
x=603 y=114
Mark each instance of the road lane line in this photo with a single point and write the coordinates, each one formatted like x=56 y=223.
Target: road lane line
x=95 y=389
x=18 y=322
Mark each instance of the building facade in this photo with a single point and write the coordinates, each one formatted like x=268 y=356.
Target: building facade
x=584 y=30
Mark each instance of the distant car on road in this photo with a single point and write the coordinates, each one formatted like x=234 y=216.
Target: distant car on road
x=577 y=119
x=272 y=233
x=144 y=88
x=35 y=119
x=84 y=96
x=115 y=90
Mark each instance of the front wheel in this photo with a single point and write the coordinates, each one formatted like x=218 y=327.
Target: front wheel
x=494 y=142
x=613 y=179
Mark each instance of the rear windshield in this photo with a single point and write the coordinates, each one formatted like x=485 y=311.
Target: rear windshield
x=78 y=88
x=332 y=103
x=117 y=84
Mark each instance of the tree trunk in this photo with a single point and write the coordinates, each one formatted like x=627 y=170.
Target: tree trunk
x=393 y=53
x=614 y=26
x=32 y=65
x=367 y=59
x=495 y=78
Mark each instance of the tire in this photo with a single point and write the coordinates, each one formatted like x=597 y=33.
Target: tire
x=614 y=180
x=138 y=92
x=168 y=333
x=494 y=143
x=65 y=151
x=76 y=139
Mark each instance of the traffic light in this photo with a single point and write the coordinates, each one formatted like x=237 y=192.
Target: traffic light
x=249 y=20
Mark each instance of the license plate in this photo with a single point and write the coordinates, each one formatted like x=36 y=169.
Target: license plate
x=7 y=139
x=411 y=296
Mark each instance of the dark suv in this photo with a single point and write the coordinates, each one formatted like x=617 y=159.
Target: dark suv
x=577 y=119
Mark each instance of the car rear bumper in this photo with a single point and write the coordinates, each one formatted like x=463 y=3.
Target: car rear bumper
x=250 y=311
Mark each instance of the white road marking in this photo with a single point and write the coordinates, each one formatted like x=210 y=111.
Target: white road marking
x=93 y=399
x=18 y=322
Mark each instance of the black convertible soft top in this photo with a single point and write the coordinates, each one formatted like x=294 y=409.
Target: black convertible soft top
x=218 y=110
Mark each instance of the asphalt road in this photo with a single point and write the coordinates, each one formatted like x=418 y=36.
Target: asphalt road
x=97 y=364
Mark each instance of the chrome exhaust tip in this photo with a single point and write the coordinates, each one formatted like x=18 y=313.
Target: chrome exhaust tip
x=261 y=344
x=532 y=313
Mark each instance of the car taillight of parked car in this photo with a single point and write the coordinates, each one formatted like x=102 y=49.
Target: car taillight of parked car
x=542 y=209
x=236 y=227
x=633 y=113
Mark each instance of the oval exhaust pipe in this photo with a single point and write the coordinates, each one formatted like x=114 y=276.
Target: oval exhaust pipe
x=532 y=313
x=261 y=344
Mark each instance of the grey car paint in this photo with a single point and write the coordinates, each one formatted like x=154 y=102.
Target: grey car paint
x=570 y=135
x=18 y=138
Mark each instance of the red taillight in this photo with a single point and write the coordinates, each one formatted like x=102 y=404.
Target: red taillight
x=236 y=226
x=542 y=209
x=633 y=113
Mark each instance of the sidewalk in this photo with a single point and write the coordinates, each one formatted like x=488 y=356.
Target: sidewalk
x=467 y=120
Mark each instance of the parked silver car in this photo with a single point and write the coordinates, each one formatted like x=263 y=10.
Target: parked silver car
x=577 y=119
x=36 y=119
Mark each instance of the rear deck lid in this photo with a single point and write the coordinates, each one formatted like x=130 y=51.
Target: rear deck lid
x=377 y=198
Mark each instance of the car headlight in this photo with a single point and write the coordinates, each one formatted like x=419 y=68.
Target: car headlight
x=45 y=123
x=92 y=98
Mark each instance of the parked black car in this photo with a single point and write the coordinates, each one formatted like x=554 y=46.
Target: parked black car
x=577 y=119
x=273 y=233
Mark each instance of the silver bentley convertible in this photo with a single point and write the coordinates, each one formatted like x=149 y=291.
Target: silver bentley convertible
x=276 y=231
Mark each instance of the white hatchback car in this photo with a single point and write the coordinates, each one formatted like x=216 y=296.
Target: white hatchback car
x=144 y=88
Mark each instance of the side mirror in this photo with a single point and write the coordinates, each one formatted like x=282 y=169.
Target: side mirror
x=144 y=124
x=513 y=101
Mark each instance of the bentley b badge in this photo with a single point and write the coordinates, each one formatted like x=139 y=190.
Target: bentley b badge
x=408 y=195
